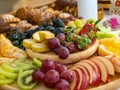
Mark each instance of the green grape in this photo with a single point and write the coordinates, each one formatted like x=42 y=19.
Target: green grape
x=78 y=23
x=76 y=31
x=71 y=24
x=37 y=62
x=8 y=74
x=25 y=81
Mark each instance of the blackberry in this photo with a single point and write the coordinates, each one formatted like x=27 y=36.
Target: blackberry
x=39 y=28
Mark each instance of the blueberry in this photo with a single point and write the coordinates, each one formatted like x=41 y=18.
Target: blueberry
x=39 y=28
x=58 y=30
x=14 y=36
x=29 y=33
x=50 y=28
x=57 y=22
x=16 y=43
x=46 y=24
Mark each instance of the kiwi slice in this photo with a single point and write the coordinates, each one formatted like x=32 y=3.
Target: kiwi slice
x=7 y=74
x=6 y=81
x=25 y=80
x=37 y=62
x=27 y=67
x=9 y=68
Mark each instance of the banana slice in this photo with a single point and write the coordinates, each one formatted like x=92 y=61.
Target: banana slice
x=40 y=47
x=28 y=42
x=46 y=35
x=36 y=36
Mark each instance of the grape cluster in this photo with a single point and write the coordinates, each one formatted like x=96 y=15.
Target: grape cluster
x=61 y=47
x=53 y=75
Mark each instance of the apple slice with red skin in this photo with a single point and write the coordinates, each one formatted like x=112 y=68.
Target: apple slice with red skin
x=86 y=73
x=108 y=64
x=103 y=69
x=76 y=80
x=78 y=86
x=97 y=71
x=82 y=83
x=92 y=74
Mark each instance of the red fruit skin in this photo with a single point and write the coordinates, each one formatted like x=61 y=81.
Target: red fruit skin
x=60 y=68
x=86 y=29
x=38 y=75
x=47 y=65
x=52 y=77
x=62 y=85
x=67 y=75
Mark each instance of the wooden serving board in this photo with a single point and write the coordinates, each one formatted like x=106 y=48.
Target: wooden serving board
x=113 y=84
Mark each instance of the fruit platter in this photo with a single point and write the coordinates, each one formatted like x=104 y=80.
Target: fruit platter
x=47 y=48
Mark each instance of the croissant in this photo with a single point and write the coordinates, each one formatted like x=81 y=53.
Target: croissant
x=10 y=18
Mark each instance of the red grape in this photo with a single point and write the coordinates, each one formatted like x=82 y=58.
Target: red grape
x=56 y=50
x=62 y=85
x=38 y=75
x=63 y=52
x=67 y=75
x=54 y=43
x=47 y=65
x=60 y=68
x=61 y=36
x=52 y=77
x=71 y=47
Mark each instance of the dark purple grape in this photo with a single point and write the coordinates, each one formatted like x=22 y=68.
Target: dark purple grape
x=52 y=77
x=56 y=50
x=60 y=68
x=61 y=36
x=63 y=52
x=47 y=65
x=57 y=22
x=71 y=47
x=62 y=85
x=67 y=75
x=54 y=43
x=38 y=75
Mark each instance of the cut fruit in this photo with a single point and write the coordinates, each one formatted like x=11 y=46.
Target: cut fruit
x=46 y=35
x=92 y=73
x=97 y=71
x=6 y=81
x=9 y=68
x=36 y=36
x=9 y=75
x=28 y=42
x=108 y=64
x=81 y=78
x=102 y=51
x=76 y=80
x=86 y=76
x=25 y=81
x=103 y=69
x=74 y=57
x=40 y=47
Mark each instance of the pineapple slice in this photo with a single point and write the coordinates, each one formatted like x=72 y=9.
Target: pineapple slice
x=40 y=47
x=42 y=35
x=28 y=42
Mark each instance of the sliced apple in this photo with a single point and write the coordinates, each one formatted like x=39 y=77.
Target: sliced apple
x=92 y=74
x=108 y=64
x=103 y=69
x=76 y=80
x=86 y=74
x=97 y=71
